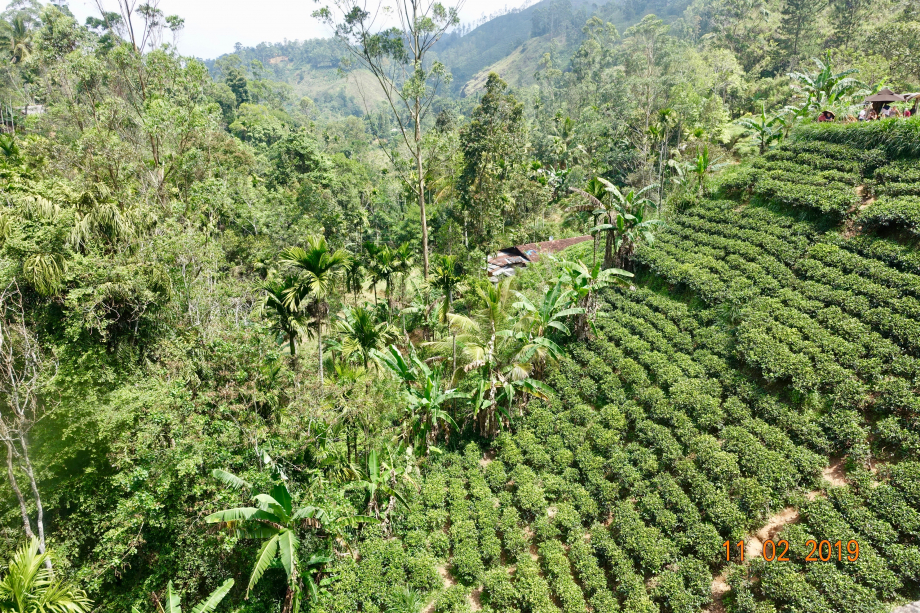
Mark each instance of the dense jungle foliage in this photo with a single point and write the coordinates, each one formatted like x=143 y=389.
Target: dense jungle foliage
x=232 y=379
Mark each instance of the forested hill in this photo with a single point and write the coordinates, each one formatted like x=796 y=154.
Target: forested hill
x=513 y=44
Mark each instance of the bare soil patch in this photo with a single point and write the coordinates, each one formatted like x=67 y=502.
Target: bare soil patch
x=448 y=581
x=476 y=599
x=718 y=591
x=753 y=547
x=487 y=458
x=446 y=576
x=835 y=473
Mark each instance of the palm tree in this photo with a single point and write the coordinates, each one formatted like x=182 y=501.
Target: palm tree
x=361 y=334
x=445 y=276
x=208 y=605
x=287 y=319
x=29 y=586
x=275 y=520
x=381 y=264
x=16 y=37
x=354 y=276
x=403 y=262
x=319 y=268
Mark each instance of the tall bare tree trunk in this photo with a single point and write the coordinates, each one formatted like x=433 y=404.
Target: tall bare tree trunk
x=421 y=186
x=26 y=522
x=21 y=366
x=39 y=509
x=319 y=339
x=608 y=249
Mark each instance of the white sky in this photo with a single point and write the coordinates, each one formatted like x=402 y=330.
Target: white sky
x=213 y=26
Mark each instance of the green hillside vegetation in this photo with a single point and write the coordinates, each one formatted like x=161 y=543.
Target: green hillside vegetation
x=233 y=375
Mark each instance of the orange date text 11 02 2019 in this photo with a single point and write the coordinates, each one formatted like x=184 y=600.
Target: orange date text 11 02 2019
x=819 y=551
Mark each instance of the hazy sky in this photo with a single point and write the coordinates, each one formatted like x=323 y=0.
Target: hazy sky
x=213 y=26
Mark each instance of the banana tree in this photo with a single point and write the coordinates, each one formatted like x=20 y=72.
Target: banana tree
x=538 y=323
x=767 y=130
x=424 y=394
x=584 y=282
x=825 y=87
x=595 y=193
x=491 y=348
x=173 y=603
x=381 y=479
x=624 y=215
x=276 y=522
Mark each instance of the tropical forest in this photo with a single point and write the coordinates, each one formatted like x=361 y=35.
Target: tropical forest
x=574 y=308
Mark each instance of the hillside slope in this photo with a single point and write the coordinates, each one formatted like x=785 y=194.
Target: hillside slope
x=758 y=384
x=511 y=44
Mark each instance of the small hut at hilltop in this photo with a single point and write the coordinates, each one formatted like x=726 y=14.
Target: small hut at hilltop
x=506 y=260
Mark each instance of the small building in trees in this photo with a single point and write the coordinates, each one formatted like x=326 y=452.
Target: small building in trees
x=505 y=261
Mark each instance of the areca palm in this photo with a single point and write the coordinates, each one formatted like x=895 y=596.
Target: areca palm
x=30 y=587
x=354 y=275
x=361 y=334
x=382 y=266
x=275 y=520
x=403 y=263
x=287 y=318
x=319 y=268
x=208 y=605
x=445 y=276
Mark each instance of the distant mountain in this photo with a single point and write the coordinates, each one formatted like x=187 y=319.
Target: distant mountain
x=511 y=44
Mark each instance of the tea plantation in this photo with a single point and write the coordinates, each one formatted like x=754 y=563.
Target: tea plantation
x=759 y=381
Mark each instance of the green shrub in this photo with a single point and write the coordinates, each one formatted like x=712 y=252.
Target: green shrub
x=439 y=543
x=532 y=588
x=496 y=476
x=466 y=565
x=896 y=213
x=454 y=599
x=896 y=137
x=498 y=591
